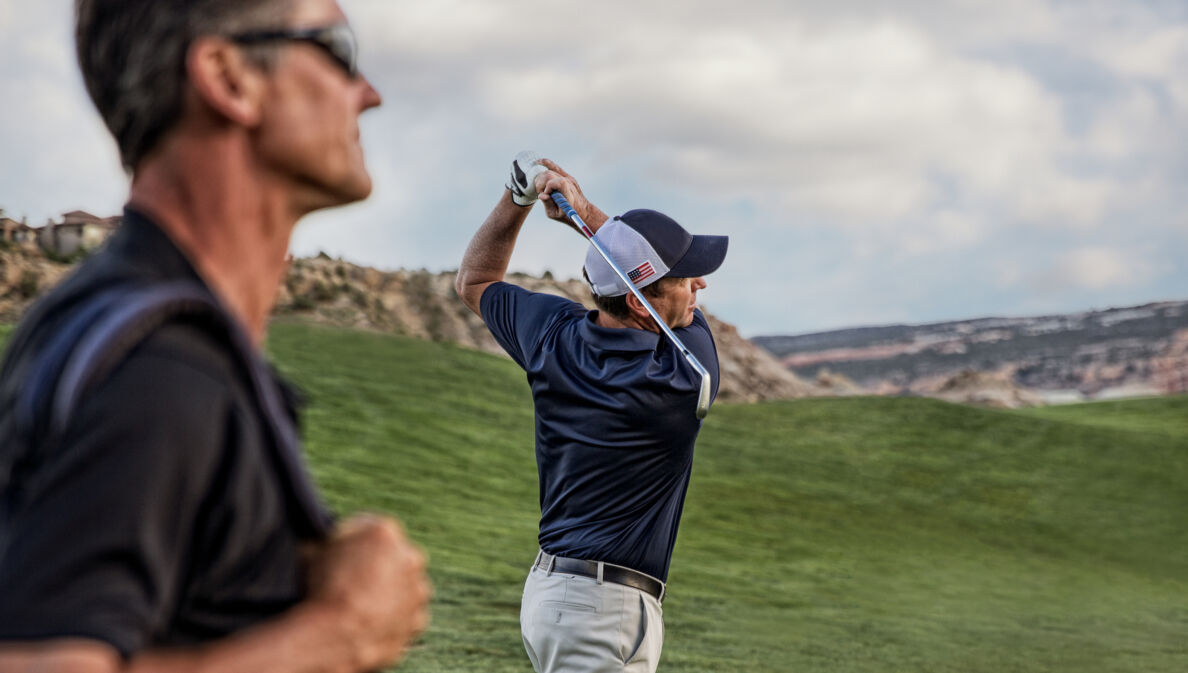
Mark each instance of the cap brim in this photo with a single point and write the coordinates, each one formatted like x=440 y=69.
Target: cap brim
x=703 y=257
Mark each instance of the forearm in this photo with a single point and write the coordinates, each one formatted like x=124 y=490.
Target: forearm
x=490 y=250
x=369 y=598
x=305 y=639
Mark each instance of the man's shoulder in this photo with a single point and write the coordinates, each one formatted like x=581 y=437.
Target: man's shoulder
x=174 y=340
x=699 y=326
x=521 y=320
x=156 y=343
x=523 y=300
x=189 y=349
x=177 y=384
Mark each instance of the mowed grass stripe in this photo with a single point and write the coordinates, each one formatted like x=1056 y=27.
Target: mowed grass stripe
x=1163 y=415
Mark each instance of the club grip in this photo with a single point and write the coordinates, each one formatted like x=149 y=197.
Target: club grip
x=562 y=203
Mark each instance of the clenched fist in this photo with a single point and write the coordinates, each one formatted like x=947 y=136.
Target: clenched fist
x=373 y=578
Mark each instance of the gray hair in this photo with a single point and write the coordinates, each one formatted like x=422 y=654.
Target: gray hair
x=132 y=54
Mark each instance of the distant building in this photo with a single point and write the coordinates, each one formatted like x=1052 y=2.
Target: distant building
x=17 y=233
x=79 y=231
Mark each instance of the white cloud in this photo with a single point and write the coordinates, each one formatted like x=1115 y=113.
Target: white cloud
x=870 y=158
x=1098 y=268
x=848 y=119
x=947 y=232
x=1094 y=267
x=1055 y=198
x=1134 y=118
x=58 y=157
x=1158 y=55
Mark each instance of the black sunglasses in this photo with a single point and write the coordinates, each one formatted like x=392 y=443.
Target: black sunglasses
x=338 y=41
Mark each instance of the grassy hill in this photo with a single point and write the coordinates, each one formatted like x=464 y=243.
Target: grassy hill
x=860 y=534
x=831 y=535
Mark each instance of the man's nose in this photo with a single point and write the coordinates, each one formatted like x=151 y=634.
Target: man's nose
x=371 y=97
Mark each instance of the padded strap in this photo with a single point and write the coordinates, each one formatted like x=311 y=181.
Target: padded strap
x=102 y=334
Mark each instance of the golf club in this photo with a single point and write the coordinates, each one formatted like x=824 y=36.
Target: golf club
x=703 y=398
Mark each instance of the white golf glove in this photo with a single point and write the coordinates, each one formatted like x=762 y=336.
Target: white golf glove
x=522 y=182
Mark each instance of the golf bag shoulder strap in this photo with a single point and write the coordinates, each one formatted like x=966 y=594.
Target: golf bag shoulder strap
x=101 y=335
x=96 y=338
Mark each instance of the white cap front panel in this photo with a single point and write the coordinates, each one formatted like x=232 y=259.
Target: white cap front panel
x=631 y=251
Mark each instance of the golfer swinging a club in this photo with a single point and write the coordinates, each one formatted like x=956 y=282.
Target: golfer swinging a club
x=616 y=417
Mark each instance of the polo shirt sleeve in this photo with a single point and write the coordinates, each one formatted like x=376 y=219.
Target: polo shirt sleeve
x=519 y=319
x=700 y=341
x=101 y=536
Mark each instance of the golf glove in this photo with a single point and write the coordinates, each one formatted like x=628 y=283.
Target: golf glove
x=524 y=170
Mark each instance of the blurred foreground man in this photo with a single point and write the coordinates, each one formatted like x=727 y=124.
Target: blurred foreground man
x=158 y=517
x=615 y=420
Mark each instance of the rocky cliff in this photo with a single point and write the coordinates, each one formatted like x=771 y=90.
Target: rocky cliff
x=24 y=274
x=1115 y=352
x=423 y=305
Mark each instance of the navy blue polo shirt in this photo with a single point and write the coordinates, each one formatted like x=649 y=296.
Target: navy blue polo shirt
x=615 y=425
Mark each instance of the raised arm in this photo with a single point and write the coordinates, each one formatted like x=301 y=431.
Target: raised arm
x=486 y=258
x=490 y=250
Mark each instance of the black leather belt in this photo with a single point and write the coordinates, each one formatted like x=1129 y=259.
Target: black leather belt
x=609 y=573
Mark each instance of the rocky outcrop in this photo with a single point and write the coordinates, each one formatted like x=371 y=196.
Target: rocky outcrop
x=418 y=304
x=750 y=374
x=24 y=275
x=984 y=389
x=990 y=362
x=1116 y=352
x=1169 y=371
x=424 y=305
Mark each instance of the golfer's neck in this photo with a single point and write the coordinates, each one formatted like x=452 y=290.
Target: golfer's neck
x=607 y=320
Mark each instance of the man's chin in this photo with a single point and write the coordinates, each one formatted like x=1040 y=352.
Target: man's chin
x=358 y=188
x=332 y=198
x=347 y=191
x=361 y=193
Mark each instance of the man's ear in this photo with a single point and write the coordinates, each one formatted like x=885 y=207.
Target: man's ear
x=225 y=80
x=636 y=308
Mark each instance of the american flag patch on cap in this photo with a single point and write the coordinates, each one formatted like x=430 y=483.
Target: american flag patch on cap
x=641 y=273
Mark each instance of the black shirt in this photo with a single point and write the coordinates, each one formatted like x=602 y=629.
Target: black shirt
x=160 y=518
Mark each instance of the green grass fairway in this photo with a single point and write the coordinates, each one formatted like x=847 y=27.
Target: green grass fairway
x=830 y=535
x=1153 y=414
x=861 y=534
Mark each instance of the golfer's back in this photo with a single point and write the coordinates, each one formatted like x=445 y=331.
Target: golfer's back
x=615 y=425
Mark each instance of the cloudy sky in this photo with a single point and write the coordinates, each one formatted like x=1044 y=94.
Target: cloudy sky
x=873 y=162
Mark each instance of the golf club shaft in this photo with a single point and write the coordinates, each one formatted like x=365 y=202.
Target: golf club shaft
x=703 y=398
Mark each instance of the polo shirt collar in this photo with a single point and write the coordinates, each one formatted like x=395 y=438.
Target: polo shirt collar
x=140 y=242
x=616 y=338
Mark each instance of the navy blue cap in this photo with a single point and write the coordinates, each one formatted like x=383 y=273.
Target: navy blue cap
x=648 y=246
x=685 y=255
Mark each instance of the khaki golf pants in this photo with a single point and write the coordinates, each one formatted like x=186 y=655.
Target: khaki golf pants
x=573 y=624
